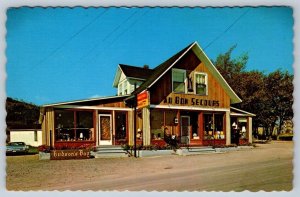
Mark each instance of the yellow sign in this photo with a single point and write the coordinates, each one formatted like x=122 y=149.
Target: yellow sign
x=143 y=99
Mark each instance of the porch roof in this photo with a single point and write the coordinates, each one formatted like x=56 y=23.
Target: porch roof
x=238 y=112
x=84 y=100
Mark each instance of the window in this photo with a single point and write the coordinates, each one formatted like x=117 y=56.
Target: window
x=200 y=82
x=35 y=136
x=84 y=125
x=213 y=126
x=178 y=80
x=156 y=124
x=120 y=121
x=125 y=87
x=120 y=89
x=74 y=125
x=242 y=125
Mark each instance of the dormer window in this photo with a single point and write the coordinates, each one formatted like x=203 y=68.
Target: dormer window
x=178 y=80
x=200 y=83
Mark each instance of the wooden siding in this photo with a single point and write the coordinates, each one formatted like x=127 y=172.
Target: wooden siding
x=47 y=126
x=163 y=88
x=113 y=104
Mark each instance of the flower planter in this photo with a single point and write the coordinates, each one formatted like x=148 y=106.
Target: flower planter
x=149 y=153
x=44 y=156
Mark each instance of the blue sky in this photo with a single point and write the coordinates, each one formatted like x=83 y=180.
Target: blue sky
x=62 y=54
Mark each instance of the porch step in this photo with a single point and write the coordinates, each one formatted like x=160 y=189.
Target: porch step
x=201 y=149
x=109 y=151
x=195 y=150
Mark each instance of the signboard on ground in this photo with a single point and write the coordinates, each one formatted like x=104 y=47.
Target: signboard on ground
x=69 y=154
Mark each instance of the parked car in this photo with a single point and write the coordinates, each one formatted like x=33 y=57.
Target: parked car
x=16 y=147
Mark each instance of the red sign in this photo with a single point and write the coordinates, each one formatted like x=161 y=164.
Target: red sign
x=69 y=154
x=143 y=99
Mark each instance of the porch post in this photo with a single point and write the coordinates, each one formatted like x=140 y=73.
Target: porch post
x=146 y=126
x=130 y=128
x=228 y=128
x=250 y=129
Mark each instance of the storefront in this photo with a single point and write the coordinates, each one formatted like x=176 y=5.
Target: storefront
x=184 y=97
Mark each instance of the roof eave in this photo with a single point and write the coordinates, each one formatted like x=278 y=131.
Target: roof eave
x=117 y=76
x=234 y=98
x=84 y=100
x=242 y=111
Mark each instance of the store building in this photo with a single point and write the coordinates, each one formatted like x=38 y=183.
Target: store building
x=184 y=96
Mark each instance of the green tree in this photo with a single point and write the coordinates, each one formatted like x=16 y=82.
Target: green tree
x=268 y=96
x=279 y=86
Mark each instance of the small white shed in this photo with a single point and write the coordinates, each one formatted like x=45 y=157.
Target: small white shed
x=32 y=137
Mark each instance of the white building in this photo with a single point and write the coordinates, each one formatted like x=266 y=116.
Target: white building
x=32 y=137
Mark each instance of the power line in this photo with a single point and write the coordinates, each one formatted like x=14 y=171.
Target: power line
x=125 y=30
x=132 y=24
x=70 y=38
x=106 y=37
x=228 y=28
x=109 y=34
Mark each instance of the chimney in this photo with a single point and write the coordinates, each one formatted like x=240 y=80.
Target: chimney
x=146 y=66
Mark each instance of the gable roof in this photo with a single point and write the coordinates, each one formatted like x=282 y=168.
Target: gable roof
x=135 y=72
x=163 y=68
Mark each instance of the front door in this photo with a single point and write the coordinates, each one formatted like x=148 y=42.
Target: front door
x=105 y=129
x=185 y=129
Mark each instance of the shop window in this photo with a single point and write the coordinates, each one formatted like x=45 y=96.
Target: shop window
x=213 y=126
x=178 y=80
x=139 y=125
x=242 y=125
x=219 y=132
x=156 y=124
x=84 y=125
x=120 y=125
x=73 y=125
x=200 y=82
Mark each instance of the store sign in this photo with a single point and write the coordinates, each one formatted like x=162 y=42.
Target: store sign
x=69 y=154
x=191 y=101
x=143 y=99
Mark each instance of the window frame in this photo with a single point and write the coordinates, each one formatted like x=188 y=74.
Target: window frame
x=206 y=83
x=35 y=135
x=75 y=127
x=184 y=81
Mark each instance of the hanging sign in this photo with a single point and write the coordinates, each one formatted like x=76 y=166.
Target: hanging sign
x=143 y=99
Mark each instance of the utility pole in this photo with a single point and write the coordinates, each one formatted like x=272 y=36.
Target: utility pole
x=134 y=121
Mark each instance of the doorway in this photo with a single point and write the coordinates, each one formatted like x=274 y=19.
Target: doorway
x=105 y=129
x=185 y=129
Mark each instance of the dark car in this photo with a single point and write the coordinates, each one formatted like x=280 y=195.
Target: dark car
x=16 y=147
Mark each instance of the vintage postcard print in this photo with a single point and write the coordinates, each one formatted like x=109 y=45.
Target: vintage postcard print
x=149 y=99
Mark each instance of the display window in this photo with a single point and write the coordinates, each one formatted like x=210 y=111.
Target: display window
x=213 y=126
x=242 y=124
x=74 y=125
x=120 y=120
x=156 y=124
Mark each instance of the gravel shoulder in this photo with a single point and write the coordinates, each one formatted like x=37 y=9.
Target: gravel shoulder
x=267 y=167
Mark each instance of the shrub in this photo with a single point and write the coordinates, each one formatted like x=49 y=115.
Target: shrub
x=285 y=137
x=44 y=148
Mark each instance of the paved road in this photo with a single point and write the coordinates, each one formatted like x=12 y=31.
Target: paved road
x=267 y=167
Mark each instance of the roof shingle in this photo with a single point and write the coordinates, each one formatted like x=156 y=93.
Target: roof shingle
x=136 y=72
